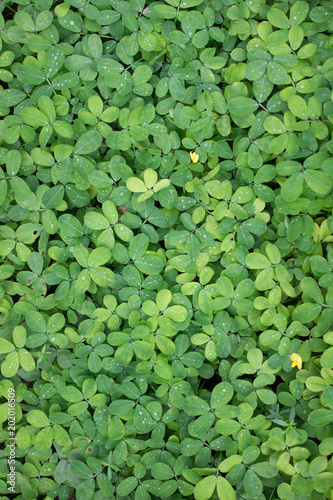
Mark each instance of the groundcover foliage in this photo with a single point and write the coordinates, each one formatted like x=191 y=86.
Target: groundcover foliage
x=166 y=248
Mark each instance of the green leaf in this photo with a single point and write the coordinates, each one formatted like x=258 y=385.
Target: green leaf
x=95 y=46
x=242 y=106
x=127 y=486
x=205 y=488
x=327 y=397
x=53 y=197
x=63 y=128
x=165 y=11
x=292 y=188
x=11 y=97
x=316 y=384
x=325 y=446
x=256 y=260
x=80 y=469
x=116 y=428
x=147 y=41
x=44 y=20
x=6 y=346
x=227 y=426
x=317 y=181
x=142 y=420
x=38 y=419
x=71 y=394
x=274 y=126
x=276 y=73
x=224 y=489
x=36 y=322
x=95 y=220
x=163 y=299
x=78 y=197
x=309 y=286
x=162 y=471
x=176 y=313
x=278 y=19
x=195 y=406
x=221 y=394
x=252 y=484
x=295 y=36
x=10 y=364
x=149 y=264
x=30 y=74
x=88 y=143
x=98 y=257
x=66 y=81
x=24 y=21
x=38 y=43
x=306 y=312
x=44 y=438
x=298 y=107
x=298 y=12
x=54 y=61
x=230 y=462
x=6 y=246
x=264 y=469
x=321 y=417
x=102 y=276
x=136 y=185
x=177 y=89
x=34 y=117
x=94 y=362
x=138 y=246
x=254 y=70
x=27 y=362
x=70 y=226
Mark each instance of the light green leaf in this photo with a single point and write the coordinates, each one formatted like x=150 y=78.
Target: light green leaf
x=10 y=365
x=195 y=406
x=88 y=143
x=224 y=489
x=292 y=188
x=242 y=106
x=205 y=488
x=38 y=419
x=176 y=313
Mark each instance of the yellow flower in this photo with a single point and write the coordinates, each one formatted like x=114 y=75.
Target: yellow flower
x=296 y=360
x=194 y=157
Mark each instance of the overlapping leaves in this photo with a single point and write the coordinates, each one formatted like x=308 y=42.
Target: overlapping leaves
x=166 y=208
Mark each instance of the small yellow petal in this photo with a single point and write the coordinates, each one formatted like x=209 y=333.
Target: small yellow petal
x=296 y=360
x=194 y=157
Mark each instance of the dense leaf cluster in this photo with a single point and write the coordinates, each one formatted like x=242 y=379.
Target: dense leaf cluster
x=166 y=240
